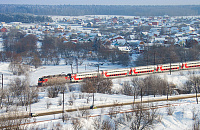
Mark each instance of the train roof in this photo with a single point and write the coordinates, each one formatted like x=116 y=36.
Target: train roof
x=149 y=66
x=120 y=69
x=89 y=72
x=58 y=75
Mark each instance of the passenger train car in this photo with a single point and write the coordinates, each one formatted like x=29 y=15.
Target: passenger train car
x=77 y=77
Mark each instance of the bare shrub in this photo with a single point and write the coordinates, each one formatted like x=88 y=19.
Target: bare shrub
x=81 y=95
x=138 y=84
x=196 y=124
x=58 y=126
x=194 y=114
x=127 y=89
x=67 y=117
x=191 y=86
x=114 y=110
x=97 y=123
x=17 y=118
x=77 y=125
x=85 y=112
x=60 y=101
x=48 y=103
x=19 y=88
x=181 y=73
x=141 y=118
x=107 y=125
x=17 y=68
x=53 y=91
x=170 y=110
x=103 y=124
x=97 y=85
x=195 y=118
x=155 y=85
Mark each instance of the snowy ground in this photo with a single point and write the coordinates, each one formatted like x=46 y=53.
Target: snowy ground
x=180 y=119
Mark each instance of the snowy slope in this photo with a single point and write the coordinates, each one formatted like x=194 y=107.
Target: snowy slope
x=180 y=119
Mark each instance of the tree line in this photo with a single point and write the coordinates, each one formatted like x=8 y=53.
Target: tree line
x=78 y=10
x=24 y=18
x=172 y=54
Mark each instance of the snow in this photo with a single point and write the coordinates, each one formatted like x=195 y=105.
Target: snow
x=180 y=119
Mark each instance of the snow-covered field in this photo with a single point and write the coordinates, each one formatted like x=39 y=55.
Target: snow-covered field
x=180 y=119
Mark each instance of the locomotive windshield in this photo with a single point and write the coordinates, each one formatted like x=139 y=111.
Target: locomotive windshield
x=69 y=75
x=40 y=79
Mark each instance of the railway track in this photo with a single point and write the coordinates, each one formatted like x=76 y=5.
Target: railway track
x=109 y=113
x=138 y=101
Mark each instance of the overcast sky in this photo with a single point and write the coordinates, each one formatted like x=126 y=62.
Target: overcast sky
x=102 y=2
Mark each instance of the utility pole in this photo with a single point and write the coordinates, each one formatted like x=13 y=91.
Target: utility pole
x=147 y=59
x=77 y=65
x=154 y=58
x=63 y=105
x=71 y=68
x=2 y=82
x=2 y=93
x=170 y=71
x=196 y=92
x=93 y=100
x=98 y=67
x=167 y=91
x=141 y=95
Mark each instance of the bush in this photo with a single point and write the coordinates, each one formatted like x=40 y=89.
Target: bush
x=53 y=91
x=97 y=85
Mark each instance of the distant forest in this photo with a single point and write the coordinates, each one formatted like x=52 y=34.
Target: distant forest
x=78 y=10
x=24 y=18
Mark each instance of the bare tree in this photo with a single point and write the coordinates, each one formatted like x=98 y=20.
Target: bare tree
x=36 y=61
x=97 y=85
x=55 y=89
x=100 y=123
x=192 y=85
x=137 y=85
x=155 y=85
x=18 y=68
x=77 y=125
x=127 y=89
x=141 y=119
x=19 y=88
x=15 y=122
x=195 y=118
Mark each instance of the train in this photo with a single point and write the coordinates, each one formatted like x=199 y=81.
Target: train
x=114 y=73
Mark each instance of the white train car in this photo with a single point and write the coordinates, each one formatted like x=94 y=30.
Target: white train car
x=77 y=77
x=116 y=73
x=191 y=65
x=143 y=70
x=167 y=67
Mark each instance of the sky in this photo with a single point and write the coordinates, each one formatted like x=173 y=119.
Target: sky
x=102 y=2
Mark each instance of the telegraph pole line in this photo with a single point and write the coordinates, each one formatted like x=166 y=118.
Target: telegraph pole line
x=2 y=82
x=2 y=92
x=170 y=66
x=63 y=106
x=71 y=68
x=77 y=65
